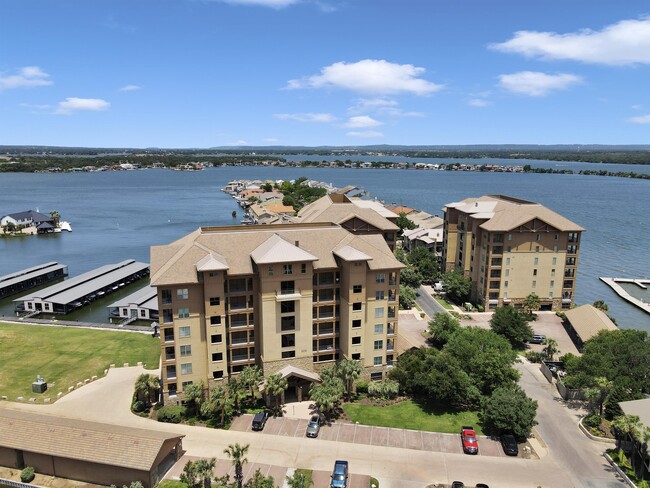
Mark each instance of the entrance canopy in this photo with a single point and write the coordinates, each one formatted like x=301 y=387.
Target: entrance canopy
x=289 y=371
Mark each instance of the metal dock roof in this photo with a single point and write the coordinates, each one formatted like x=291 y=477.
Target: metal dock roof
x=80 y=286
x=146 y=297
x=29 y=273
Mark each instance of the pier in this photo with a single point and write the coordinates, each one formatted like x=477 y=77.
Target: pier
x=142 y=304
x=612 y=283
x=31 y=277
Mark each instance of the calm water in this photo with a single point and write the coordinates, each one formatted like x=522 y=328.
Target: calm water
x=118 y=215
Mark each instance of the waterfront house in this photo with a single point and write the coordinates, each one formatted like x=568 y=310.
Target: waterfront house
x=584 y=322
x=28 y=218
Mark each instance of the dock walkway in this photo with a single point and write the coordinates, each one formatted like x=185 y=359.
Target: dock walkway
x=612 y=283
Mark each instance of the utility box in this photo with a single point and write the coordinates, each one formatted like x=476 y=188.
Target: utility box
x=39 y=386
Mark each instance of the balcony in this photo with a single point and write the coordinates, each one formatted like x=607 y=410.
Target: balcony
x=171 y=374
x=390 y=330
x=390 y=345
x=239 y=358
x=170 y=356
x=392 y=281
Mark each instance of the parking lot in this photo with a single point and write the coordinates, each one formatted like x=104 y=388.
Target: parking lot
x=369 y=435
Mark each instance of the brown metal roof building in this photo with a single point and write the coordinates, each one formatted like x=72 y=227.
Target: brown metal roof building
x=86 y=451
x=586 y=321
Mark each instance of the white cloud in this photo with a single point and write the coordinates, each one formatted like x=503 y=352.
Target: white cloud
x=73 y=104
x=536 y=84
x=478 y=102
x=307 y=117
x=239 y=142
x=640 y=119
x=626 y=42
x=271 y=139
x=373 y=76
x=263 y=3
x=636 y=107
x=361 y=121
x=27 y=77
x=382 y=106
x=128 y=88
x=366 y=134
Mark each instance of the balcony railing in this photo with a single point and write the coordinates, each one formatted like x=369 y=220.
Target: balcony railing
x=170 y=357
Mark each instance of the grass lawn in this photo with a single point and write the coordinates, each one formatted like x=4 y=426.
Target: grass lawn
x=64 y=356
x=411 y=414
x=443 y=302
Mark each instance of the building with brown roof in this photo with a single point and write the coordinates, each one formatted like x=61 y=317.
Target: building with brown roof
x=584 y=322
x=301 y=295
x=511 y=248
x=86 y=451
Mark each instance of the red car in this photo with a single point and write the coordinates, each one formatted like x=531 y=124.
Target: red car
x=468 y=438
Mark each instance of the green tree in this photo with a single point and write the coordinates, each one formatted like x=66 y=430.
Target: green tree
x=251 y=377
x=195 y=473
x=267 y=187
x=236 y=392
x=275 y=386
x=146 y=388
x=531 y=303
x=407 y=296
x=457 y=286
x=550 y=349
x=601 y=305
x=403 y=222
x=237 y=454
x=299 y=479
x=349 y=371
x=440 y=329
x=204 y=470
x=220 y=402
x=56 y=217
x=400 y=255
x=258 y=480
x=327 y=395
x=193 y=394
x=597 y=395
x=425 y=263
x=508 y=410
x=410 y=277
x=513 y=325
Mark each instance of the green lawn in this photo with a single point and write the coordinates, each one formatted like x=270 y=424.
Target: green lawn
x=64 y=356
x=443 y=302
x=410 y=414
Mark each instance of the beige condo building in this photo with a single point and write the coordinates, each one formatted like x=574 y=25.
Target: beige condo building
x=511 y=248
x=290 y=298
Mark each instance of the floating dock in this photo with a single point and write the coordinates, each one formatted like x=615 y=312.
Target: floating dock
x=31 y=277
x=81 y=290
x=140 y=305
x=613 y=284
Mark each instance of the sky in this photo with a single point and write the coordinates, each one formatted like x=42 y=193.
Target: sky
x=211 y=73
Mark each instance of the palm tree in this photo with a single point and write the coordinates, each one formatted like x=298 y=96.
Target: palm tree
x=56 y=217
x=236 y=454
x=550 y=349
x=601 y=305
x=219 y=397
x=193 y=393
x=250 y=377
x=275 y=386
x=236 y=391
x=299 y=480
x=349 y=370
x=153 y=383
x=203 y=469
x=142 y=387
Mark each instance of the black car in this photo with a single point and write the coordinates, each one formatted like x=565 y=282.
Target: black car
x=509 y=444
x=259 y=420
x=458 y=484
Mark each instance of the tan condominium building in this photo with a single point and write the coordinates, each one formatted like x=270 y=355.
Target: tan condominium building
x=290 y=298
x=511 y=248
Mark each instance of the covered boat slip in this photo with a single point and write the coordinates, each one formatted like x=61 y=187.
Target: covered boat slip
x=142 y=304
x=78 y=291
x=25 y=279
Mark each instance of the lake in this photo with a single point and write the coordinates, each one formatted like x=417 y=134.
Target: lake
x=119 y=215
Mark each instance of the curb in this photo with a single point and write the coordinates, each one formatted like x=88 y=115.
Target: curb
x=593 y=437
x=619 y=471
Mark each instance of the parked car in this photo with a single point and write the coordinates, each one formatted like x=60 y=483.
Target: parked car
x=313 y=427
x=259 y=420
x=458 y=484
x=509 y=444
x=482 y=485
x=537 y=339
x=468 y=439
x=339 y=475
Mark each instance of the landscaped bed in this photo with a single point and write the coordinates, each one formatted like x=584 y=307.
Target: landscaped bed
x=409 y=414
x=64 y=356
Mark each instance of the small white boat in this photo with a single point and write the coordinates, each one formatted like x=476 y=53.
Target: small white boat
x=65 y=226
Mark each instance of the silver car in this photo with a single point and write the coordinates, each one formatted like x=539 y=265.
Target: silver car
x=313 y=427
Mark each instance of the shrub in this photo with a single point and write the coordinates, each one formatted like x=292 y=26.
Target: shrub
x=27 y=475
x=592 y=421
x=480 y=308
x=362 y=387
x=171 y=414
x=138 y=406
x=534 y=357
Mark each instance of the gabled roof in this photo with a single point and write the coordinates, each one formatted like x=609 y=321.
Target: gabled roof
x=587 y=321
x=30 y=215
x=339 y=208
x=212 y=262
x=348 y=253
x=83 y=441
x=300 y=373
x=276 y=250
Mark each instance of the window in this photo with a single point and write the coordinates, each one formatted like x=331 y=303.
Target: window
x=535 y=272
x=357 y=289
x=143 y=313
x=183 y=313
x=270 y=270
x=379 y=345
x=379 y=295
x=215 y=301
x=184 y=331
x=356 y=340
x=166 y=296
x=552 y=284
x=288 y=340
x=536 y=248
x=505 y=284
x=217 y=375
x=379 y=328
x=507 y=272
x=288 y=354
x=125 y=311
x=509 y=237
x=215 y=320
x=536 y=261
x=287 y=287
x=377 y=360
x=507 y=260
x=497 y=238
x=356 y=306
x=554 y=261
x=553 y=272
x=356 y=324
x=215 y=339
x=557 y=236
x=376 y=376
x=186 y=368
x=381 y=278
x=550 y=294
x=356 y=356
x=379 y=313
x=185 y=384
x=303 y=268
x=217 y=356
x=287 y=269
x=494 y=284
x=534 y=284
x=182 y=293
x=288 y=307
x=287 y=323
x=538 y=237
x=186 y=351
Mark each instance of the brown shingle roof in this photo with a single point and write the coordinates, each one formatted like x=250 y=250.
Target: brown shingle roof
x=81 y=440
x=325 y=209
x=587 y=321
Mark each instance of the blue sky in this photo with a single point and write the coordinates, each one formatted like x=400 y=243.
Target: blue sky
x=204 y=73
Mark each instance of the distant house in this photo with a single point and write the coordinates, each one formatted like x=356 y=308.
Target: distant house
x=432 y=239
x=27 y=219
x=586 y=321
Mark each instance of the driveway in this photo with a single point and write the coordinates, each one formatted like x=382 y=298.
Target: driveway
x=427 y=303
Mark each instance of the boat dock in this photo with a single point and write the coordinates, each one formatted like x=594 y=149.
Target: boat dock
x=140 y=305
x=31 y=277
x=620 y=291
x=81 y=290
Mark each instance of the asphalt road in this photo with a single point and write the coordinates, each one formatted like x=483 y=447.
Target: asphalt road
x=427 y=303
